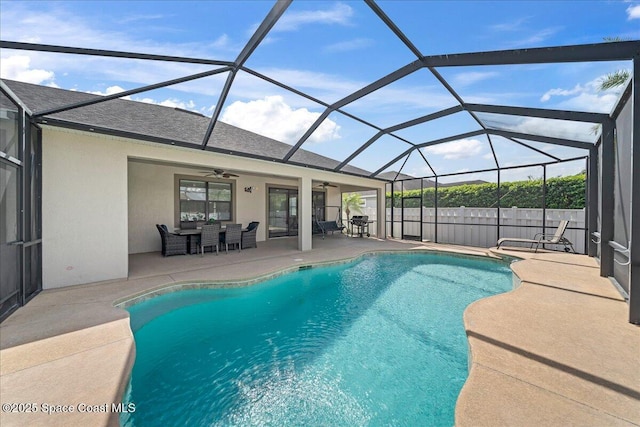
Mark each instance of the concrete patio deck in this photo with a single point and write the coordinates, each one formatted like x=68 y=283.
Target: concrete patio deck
x=556 y=351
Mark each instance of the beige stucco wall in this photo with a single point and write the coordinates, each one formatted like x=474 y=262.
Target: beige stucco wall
x=84 y=209
x=102 y=197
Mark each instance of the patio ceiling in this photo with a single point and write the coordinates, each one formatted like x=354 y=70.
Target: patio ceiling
x=401 y=135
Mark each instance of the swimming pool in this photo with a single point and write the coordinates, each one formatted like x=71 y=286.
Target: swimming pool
x=377 y=341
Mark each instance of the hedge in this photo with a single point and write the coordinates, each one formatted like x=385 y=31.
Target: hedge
x=562 y=193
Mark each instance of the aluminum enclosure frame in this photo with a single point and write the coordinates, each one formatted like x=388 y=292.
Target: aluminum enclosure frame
x=610 y=51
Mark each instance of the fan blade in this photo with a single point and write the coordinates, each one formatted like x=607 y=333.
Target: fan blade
x=227 y=175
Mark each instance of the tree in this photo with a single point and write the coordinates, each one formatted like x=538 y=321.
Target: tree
x=617 y=78
x=351 y=202
x=611 y=80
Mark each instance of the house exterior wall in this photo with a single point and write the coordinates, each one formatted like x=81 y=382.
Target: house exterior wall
x=103 y=195
x=84 y=209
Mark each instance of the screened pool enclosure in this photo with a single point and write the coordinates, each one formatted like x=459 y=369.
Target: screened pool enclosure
x=597 y=152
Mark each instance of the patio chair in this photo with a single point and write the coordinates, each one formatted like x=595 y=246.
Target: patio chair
x=210 y=236
x=249 y=235
x=556 y=238
x=233 y=236
x=172 y=244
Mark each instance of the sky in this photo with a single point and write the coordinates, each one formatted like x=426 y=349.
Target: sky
x=329 y=50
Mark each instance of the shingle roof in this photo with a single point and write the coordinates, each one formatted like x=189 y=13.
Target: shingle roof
x=160 y=124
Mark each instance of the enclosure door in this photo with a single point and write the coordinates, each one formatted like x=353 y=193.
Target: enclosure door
x=10 y=249
x=412 y=218
x=283 y=212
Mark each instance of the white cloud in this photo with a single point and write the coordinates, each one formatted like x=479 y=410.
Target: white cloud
x=561 y=92
x=455 y=150
x=587 y=97
x=348 y=45
x=591 y=102
x=535 y=38
x=327 y=87
x=18 y=67
x=291 y=21
x=465 y=79
x=111 y=90
x=576 y=131
x=633 y=12
x=274 y=118
x=510 y=26
x=171 y=102
x=129 y=19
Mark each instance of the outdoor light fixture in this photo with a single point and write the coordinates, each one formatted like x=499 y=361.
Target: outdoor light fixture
x=250 y=189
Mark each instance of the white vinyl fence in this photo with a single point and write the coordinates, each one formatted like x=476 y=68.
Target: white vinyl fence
x=477 y=226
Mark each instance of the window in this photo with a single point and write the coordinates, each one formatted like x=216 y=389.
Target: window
x=204 y=200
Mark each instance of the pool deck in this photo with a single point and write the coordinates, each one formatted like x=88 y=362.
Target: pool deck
x=556 y=351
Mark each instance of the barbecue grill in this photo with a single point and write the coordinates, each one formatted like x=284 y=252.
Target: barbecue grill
x=361 y=222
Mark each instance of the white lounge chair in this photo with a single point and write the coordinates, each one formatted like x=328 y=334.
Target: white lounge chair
x=556 y=238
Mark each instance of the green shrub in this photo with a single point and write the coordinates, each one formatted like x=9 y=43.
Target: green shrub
x=562 y=193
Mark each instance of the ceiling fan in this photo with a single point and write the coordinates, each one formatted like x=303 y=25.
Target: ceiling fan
x=326 y=184
x=219 y=173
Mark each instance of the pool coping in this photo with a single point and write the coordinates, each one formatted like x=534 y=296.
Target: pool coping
x=142 y=296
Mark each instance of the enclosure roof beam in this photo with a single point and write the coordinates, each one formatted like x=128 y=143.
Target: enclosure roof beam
x=14 y=98
x=453 y=138
x=261 y=32
x=108 y=53
x=122 y=94
x=405 y=153
x=542 y=113
x=540 y=138
x=360 y=149
x=426 y=118
x=393 y=27
x=426 y=144
x=384 y=81
x=610 y=51
x=534 y=149
x=399 y=126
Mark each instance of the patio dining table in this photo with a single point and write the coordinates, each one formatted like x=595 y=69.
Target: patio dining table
x=193 y=237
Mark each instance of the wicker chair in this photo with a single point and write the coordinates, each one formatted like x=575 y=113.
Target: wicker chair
x=233 y=236
x=172 y=244
x=210 y=237
x=249 y=235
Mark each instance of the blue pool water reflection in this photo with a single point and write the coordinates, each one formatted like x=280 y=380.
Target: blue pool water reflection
x=379 y=341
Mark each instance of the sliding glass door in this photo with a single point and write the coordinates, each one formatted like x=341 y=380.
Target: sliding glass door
x=283 y=212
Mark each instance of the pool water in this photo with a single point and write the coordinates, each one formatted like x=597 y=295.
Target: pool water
x=379 y=341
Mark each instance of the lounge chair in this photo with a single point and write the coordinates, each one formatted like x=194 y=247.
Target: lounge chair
x=249 y=235
x=329 y=226
x=172 y=244
x=545 y=239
